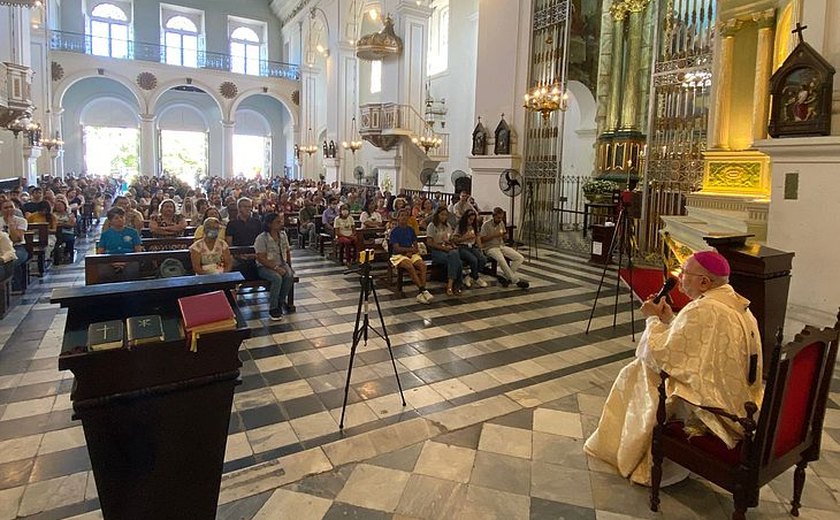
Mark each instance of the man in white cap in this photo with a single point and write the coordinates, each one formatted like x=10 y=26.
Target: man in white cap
x=712 y=353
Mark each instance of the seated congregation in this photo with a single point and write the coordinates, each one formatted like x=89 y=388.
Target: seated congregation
x=410 y=235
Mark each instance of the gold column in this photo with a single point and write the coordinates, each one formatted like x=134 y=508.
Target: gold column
x=763 y=68
x=617 y=11
x=723 y=81
x=630 y=110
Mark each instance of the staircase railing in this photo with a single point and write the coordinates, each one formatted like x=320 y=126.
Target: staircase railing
x=395 y=119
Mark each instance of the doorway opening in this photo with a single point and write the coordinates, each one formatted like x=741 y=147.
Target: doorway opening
x=111 y=151
x=253 y=156
x=184 y=154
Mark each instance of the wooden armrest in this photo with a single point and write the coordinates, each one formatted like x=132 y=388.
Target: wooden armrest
x=748 y=423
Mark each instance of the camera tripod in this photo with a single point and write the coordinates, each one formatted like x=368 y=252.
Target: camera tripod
x=623 y=240
x=360 y=330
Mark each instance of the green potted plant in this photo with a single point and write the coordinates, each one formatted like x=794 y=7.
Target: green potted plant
x=599 y=190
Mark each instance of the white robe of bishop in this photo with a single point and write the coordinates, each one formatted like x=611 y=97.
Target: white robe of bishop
x=706 y=351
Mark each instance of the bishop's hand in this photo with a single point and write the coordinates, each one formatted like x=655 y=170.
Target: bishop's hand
x=661 y=310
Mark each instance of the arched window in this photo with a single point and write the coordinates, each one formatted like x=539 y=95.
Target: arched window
x=181 y=40
x=438 y=58
x=109 y=31
x=376 y=77
x=245 y=48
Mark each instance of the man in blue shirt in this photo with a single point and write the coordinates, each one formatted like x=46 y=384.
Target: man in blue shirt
x=329 y=214
x=406 y=255
x=118 y=238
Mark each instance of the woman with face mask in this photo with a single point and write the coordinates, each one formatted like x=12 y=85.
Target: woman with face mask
x=211 y=255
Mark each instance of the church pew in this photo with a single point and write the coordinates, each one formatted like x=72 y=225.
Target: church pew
x=146 y=265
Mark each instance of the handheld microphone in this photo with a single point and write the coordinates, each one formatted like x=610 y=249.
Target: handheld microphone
x=669 y=284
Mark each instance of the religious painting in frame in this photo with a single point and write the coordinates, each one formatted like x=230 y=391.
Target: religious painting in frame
x=801 y=90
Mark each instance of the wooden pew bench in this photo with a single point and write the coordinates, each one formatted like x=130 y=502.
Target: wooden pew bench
x=397 y=278
x=146 y=266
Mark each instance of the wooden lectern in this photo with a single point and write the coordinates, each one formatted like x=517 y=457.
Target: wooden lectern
x=762 y=275
x=155 y=417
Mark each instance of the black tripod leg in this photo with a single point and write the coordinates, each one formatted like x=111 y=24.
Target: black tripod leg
x=387 y=340
x=357 y=333
x=610 y=251
x=621 y=232
x=630 y=233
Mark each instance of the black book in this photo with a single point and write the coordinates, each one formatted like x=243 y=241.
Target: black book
x=144 y=329
x=105 y=335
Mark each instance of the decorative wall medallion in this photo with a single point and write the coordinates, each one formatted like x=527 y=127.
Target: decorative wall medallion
x=57 y=71
x=146 y=80
x=228 y=90
x=296 y=97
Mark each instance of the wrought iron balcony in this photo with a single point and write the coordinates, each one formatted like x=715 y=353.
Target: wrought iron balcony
x=155 y=52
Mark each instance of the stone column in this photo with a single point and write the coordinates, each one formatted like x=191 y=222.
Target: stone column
x=30 y=163
x=723 y=84
x=148 y=145
x=763 y=69
x=616 y=68
x=629 y=105
x=55 y=125
x=227 y=148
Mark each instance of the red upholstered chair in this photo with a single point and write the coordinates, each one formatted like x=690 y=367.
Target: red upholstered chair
x=787 y=432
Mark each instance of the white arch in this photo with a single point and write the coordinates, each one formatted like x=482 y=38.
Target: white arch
x=266 y=126
x=286 y=102
x=165 y=87
x=132 y=109
x=580 y=94
x=64 y=85
x=182 y=104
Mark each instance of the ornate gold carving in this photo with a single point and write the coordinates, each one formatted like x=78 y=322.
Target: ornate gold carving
x=728 y=28
x=733 y=176
x=765 y=19
x=636 y=6
x=618 y=11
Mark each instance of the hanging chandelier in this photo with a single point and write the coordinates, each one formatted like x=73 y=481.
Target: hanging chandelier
x=427 y=142
x=50 y=143
x=355 y=144
x=380 y=45
x=546 y=99
x=311 y=147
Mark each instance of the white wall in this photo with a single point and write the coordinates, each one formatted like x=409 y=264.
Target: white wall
x=457 y=85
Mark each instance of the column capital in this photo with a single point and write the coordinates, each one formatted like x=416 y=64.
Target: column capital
x=636 y=6
x=728 y=28
x=618 y=11
x=147 y=118
x=411 y=8
x=765 y=19
x=227 y=124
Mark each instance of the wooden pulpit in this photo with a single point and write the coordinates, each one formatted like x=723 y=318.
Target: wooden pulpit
x=762 y=275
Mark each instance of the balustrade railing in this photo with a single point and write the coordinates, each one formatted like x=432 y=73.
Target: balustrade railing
x=155 y=52
x=395 y=119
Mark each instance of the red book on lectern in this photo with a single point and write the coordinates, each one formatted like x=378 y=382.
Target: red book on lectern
x=203 y=313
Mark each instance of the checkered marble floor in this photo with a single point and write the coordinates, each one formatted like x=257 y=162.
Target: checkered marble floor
x=502 y=386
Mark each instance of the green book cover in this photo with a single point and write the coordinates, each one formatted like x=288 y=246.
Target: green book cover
x=144 y=329
x=105 y=335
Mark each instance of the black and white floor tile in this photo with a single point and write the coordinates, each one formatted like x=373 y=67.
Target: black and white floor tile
x=502 y=386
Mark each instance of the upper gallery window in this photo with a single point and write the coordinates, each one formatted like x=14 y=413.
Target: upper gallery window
x=438 y=56
x=109 y=31
x=181 y=40
x=245 y=51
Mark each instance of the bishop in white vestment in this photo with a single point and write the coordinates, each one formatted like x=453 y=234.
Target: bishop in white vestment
x=712 y=353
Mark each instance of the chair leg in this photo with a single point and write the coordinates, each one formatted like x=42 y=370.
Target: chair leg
x=656 y=468
x=740 y=512
x=798 y=486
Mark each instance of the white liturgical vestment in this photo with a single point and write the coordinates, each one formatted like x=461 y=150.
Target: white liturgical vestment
x=706 y=350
